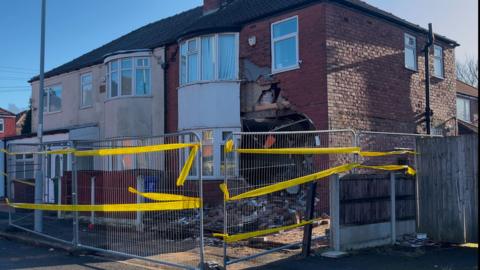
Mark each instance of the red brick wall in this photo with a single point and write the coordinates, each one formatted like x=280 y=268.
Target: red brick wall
x=172 y=78
x=305 y=87
x=368 y=86
x=9 y=129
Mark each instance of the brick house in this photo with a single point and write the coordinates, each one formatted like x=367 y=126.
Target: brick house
x=252 y=65
x=467 y=108
x=7 y=124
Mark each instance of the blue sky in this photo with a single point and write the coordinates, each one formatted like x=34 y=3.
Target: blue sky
x=75 y=27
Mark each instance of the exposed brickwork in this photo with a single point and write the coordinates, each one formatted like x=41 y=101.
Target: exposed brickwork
x=368 y=86
x=305 y=87
x=9 y=127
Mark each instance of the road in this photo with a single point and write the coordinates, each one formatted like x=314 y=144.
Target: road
x=15 y=255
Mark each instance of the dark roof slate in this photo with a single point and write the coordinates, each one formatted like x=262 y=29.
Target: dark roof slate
x=232 y=16
x=5 y=113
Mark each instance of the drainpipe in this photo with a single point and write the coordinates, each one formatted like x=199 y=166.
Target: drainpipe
x=426 y=50
x=165 y=67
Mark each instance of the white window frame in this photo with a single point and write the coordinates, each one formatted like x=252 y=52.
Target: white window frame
x=134 y=76
x=217 y=151
x=2 y=125
x=46 y=100
x=464 y=102
x=415 y=58
x=274 y=40
x=438 y=58
x=82 y=104
x=23 y=169
x=199 y=60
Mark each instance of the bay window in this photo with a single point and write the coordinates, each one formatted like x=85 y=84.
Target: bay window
x=463 y=109
x=285 y=44
x=24 y=166
x=52 y=99
x=129 y=77
x=213 y=149
x=209 y=58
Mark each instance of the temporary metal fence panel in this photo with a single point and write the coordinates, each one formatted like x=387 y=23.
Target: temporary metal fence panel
x=2 y=170
x=165 y=224
x=170 y=237
x=22 y=170
x=249 y=171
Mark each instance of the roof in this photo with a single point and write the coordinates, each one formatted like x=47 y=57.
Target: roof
x=466 y=89
x=230 y=17
x=466 y=128
x=6 y=113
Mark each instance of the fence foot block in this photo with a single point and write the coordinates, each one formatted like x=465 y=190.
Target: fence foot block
x=334 y=254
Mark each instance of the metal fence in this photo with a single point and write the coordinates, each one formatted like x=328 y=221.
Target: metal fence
x=175 y=237
x=249 y=171
x=169 y=237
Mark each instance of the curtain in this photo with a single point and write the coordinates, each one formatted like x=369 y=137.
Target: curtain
x=227 y=57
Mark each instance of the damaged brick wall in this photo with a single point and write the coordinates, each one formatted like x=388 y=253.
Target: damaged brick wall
x=303 y=88
x=368 y=86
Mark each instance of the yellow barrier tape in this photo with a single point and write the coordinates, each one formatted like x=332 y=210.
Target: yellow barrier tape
x=242 y=236
x=4 y=174
x=133 y=150
x=380 y=154
x=301 y=151
x=229 y=147
x=309 y=178
x=24 y=182
x=48 y=152
x=143 y=207
x=162 y=196
x=188 y=165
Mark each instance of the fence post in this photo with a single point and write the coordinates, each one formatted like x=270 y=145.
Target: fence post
x=139 y=217
x=307 y=231
x=92 y=198
x=334 y=187
x=74 y=197
x=393 y=217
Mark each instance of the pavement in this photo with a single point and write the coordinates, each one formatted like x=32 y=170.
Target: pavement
x=389 y=258
x=21 y=250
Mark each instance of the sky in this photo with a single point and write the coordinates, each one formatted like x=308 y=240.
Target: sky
x=75 y=27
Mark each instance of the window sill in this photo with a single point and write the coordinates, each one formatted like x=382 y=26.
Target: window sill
x=207 y=82
x=127 y=97
x=438 y=77
x=411 y=69
x=50 y=113
x=86 y=107
x=277 y=71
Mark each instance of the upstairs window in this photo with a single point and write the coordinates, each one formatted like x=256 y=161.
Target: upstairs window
x=410 y=52
x=437 y=61
x=2 y=125
x=86 y=90
x=285 y=44
x=209 y=58
x=52 y=99
x=128 y=77
x=463 y=109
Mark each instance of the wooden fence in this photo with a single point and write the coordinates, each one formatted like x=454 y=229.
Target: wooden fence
x=448 y=188
x=365 y=198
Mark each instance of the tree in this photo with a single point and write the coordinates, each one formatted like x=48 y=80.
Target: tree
x=467 y=71
x=27 y=125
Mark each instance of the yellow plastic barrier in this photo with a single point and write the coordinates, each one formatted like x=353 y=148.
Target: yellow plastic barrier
x=229 y=147
x=143 y=207
x=309 y=178
x=133 y=150
x=161 y=197
x=242 y=236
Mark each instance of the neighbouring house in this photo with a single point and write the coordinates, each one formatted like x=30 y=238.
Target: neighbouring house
x=21 y=121
x=233 y=65
x=7 y=124
x=467 y=108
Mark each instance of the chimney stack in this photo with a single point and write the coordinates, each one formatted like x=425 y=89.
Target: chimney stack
x=210 y=6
